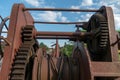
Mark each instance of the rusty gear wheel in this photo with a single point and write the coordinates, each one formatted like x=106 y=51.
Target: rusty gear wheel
x=23 y=63
x=98 y=43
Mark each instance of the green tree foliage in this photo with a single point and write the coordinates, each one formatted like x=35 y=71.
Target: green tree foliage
x=42 y=45
x=67 y=49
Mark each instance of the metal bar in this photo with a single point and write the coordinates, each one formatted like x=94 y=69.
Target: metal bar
x=59 y=22
x=54 y=37
x=4 y=20
x=6 y=41
x=61 y=9
x=80 y=34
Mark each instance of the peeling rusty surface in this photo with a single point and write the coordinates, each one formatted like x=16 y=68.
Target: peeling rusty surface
x=17 y=22
x=8 y=49
x=112 y=34
x=105 y=69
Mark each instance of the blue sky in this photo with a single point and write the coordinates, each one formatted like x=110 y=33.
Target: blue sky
x=6 y=5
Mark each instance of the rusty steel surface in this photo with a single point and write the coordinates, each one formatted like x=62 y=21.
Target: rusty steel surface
x=22 y=64
x=56 y=52
x=17 y=21
x=7 y=57
x=24 y=60
x=108 y=69
x=44 y=67
x=37 y=62
x=81 y=55
x=79 y=34
x=107 y=66
x=54 y=37
x=112 y=32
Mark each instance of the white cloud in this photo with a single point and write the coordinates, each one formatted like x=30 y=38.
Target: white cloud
x=51 y=16
x=35 y=3
x=87 y=2
x=84 y=3
x=117 y=21
x=75 y=7
x=63 y=19
x=116 y=8
x=115 y=5
x=48 y=16
x=85 y=17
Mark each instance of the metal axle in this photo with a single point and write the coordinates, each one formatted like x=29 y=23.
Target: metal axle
x=59 y=22
x=61 y=9
x=79 y=34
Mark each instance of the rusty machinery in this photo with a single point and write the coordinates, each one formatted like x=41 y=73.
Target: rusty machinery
x=24 y=60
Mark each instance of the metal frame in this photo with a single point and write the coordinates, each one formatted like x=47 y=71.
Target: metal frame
x=20 y=17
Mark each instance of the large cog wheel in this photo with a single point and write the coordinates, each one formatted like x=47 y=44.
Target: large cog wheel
x=99 y=42
x=23 y=63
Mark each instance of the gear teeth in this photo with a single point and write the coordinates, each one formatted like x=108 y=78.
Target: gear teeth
x=20 y=61
x=104 y=34
x=27 y=33
x=105 y=31
x=104 y=37
x=23 y=50
x=20 y=57
x=22 y=53
x=104 y=40
x=104 y=28
x=99 y=42
x=18 y=67
x=19 y=77
x=18 y=70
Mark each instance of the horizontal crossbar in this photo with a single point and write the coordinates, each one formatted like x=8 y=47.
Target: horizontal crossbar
x=59 y=22
x=55 y=37
x=61 y=9
x=40 y=33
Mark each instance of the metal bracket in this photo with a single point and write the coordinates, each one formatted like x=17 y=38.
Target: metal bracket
x=6 y=41
x=116 y=42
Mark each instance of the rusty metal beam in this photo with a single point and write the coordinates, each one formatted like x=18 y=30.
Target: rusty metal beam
x=59 y=22
x=54 y=37
x=18 y=19
x=61 y=9
x=79 y=34
x=105 y=69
